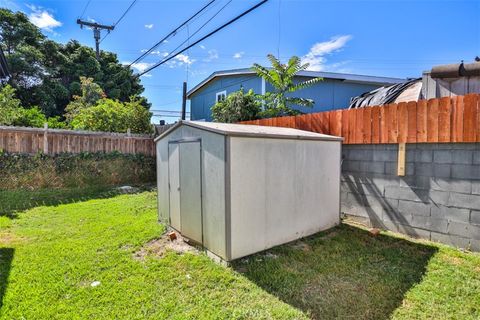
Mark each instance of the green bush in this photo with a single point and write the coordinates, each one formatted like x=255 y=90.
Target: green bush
x=114 y=116
x=12 y=113
x=238 y=106
x=32 y=172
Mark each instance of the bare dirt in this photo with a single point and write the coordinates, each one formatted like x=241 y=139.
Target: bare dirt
x=158 y=247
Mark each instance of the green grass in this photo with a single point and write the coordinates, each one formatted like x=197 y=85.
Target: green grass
x=50 y=255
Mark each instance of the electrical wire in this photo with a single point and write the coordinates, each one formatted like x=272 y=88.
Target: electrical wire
x=172 y=33
x=197 y=31
x=203 y=38
x=169 y=111
x=121 y=18
x=85 y=8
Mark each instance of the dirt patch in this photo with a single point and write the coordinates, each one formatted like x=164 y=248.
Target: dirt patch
x=453 y=260
x=9 y=238
x=329 y=235
x=158 y=247
x=300 y=245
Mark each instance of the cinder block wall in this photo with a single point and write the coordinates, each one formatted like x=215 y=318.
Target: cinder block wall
x=438 y=198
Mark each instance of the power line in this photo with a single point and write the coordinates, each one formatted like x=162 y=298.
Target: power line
x=204 y=37
x=165 y=116
x=198 y=30
x=121 y=17
x=172 y=33
x=85 y=8
x=168 y=111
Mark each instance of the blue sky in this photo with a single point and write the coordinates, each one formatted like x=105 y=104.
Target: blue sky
x=383 y=38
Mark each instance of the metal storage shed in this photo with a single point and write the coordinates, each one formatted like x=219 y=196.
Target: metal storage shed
x=240 y=189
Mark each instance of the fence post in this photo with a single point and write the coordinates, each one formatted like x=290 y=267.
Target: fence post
x=129 y=141
x=45 y=138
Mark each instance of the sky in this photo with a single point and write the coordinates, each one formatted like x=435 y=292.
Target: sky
x=380 y=38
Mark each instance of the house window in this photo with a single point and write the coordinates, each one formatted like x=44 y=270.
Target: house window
x=221 y=96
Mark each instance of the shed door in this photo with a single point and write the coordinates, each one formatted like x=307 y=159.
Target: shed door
x=174 y=185
x=191 y=190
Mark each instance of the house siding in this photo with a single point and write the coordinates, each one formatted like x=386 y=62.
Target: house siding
x=329 y=94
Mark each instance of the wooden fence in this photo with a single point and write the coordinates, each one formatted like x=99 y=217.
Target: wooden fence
x=54 y=141
x=449 y=119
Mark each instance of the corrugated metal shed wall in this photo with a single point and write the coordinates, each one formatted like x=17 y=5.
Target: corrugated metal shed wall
x=213 y=183
x=447 y=87
x=281 y=190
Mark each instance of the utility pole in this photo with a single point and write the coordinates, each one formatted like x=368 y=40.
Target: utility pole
x=184 y=101
x=96 y=32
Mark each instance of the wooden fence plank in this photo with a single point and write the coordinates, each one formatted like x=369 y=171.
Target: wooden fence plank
x=345 y=125
x=402 y=116
x=422 y=121
x=304 y=122
x=367 y=125
x=392 y=123
x=358 y=129
x=457 y=119
x=375 y=124
x=432 y=120
x=470 y=118
x=335 y=122
x=383 y=125
x=444 y=120
x=319 y=122
x=412 y=122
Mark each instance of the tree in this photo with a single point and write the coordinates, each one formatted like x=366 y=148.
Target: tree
x=114 y=116
x=12 y=113
x=47 y=74
x=90 y=94
x=238 y=106
x=9 y=105
x=281 y=77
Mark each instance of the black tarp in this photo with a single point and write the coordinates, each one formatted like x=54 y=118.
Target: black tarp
x=381 y=96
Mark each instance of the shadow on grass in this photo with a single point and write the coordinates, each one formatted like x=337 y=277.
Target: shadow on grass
x=342 y=273
x=6 y=257
x=13 y=201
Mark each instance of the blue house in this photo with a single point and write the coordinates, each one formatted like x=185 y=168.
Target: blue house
x=334 y=92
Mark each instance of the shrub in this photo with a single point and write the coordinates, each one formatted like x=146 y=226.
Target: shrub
x=114 y=116
x=238 y=106
x=23 y=171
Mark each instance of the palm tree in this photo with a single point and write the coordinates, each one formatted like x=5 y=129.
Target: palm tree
x=281 y=77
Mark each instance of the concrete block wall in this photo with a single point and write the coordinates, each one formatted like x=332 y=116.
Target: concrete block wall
x=438 y=198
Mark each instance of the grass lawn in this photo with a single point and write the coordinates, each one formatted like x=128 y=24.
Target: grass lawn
x=50 y=256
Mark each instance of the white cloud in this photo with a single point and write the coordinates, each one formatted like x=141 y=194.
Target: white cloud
x=159 y=53
x=202 y=47
x=149 y=26
x=212 y=55
x=139 y=66
x=42 y=18
x=180 y=60
x=238 y=55
x=183 y=58
x=316 y=56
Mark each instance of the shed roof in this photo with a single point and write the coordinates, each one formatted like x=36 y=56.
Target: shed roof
x=245 y=130
x=313 y=74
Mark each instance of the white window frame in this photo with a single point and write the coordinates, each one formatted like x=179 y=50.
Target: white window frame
x=219 y=94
